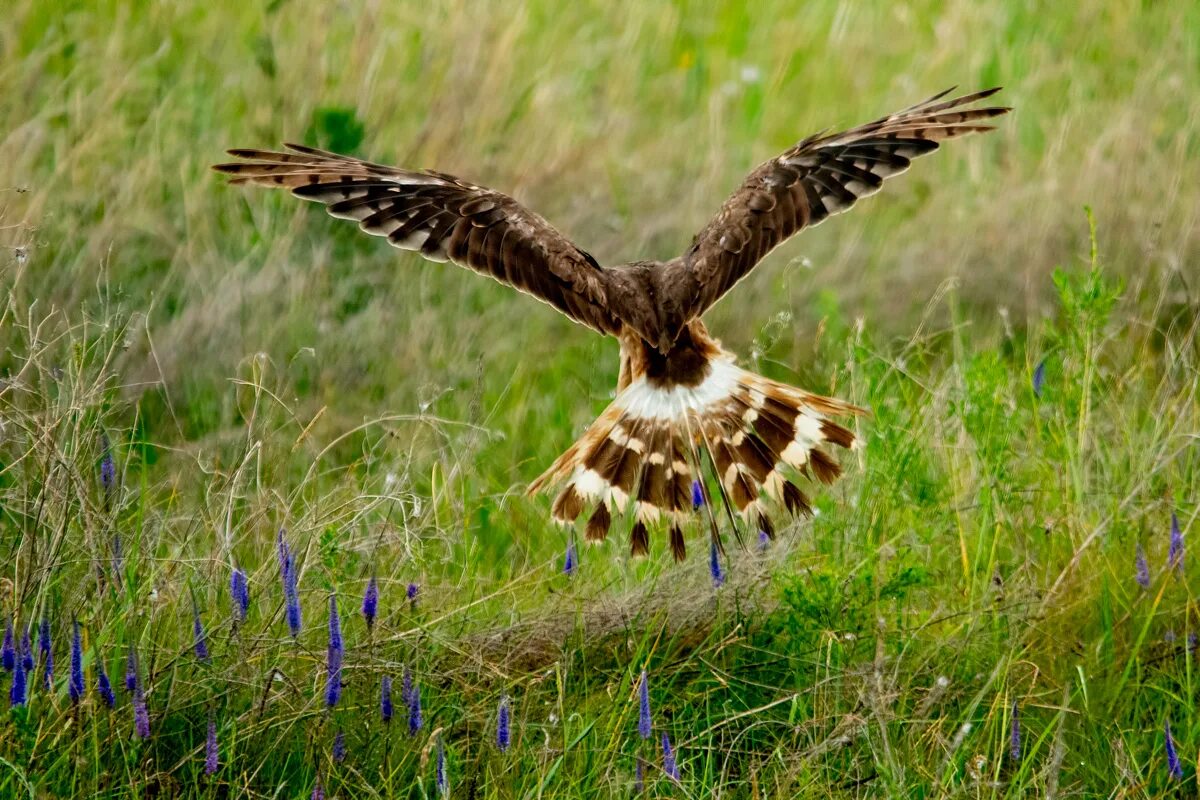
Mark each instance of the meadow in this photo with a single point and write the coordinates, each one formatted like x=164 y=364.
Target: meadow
x=244 y=447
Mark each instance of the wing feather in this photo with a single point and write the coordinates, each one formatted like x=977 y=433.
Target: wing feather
x=443 y=218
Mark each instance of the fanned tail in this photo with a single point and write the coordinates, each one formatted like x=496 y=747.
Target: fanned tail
x=643 y=458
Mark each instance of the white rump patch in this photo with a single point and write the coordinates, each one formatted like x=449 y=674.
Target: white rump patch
x=644 y=401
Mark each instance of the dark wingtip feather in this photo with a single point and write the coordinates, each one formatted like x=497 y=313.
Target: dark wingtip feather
x=639 y=540
x=678 y=546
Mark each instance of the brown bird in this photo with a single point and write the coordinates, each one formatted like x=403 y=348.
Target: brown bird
x=681 y=398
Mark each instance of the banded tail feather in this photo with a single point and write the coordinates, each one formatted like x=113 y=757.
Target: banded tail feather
x=638 y=460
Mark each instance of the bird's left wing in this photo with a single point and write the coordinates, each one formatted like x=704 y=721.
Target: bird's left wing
x=443 y=218
x=818 y=177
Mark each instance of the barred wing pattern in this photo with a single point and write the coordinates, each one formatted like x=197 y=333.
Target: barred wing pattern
x=820 y=176
x=444 y=219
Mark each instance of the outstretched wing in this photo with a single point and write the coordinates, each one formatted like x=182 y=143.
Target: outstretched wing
x=818 y=177
x=444 y=219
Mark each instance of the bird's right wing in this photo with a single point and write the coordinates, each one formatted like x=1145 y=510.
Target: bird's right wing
x=444 y=219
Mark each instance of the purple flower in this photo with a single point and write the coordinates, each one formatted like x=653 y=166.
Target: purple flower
x=569 y=560
x=764 y=541
x=118 y=557
x=290 y=594
x=1175 y=553
x=141 y=715
x=318 y=792
x=199 y=640
x=644 y=706
x=406 y=687
x=8 y=652
x=104 y=686
x=1039 y=378
x=46 y=653
x=697 y=495
x=414 y=709
x=27 y=651
x=281 y=550
x=1174 y=768
x=211 y=751
x=370 y=603
x=443 y=784
x=333 y=685
x=339 y=747
x=1014 y=737
x=669 y=765
x=75 y=684
x=714 y=565
x=385 y=699
x=1141 y=568
x=503 y=739
x=17 y=693
x=239 y=591
x=639 y=778
x=411 y=593
x=131 y=672
x=108 y=467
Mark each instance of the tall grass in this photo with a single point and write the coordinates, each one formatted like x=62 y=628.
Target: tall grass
x=251 y=366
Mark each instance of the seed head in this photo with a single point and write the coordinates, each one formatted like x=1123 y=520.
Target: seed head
x=8 y=651
x=370 y=603
x=644 y=706
x=75 y=684
x=503 y=739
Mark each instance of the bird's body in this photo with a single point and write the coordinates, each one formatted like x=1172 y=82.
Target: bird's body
x=682 y=402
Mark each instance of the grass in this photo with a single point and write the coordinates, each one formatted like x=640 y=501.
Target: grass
x=256 y=366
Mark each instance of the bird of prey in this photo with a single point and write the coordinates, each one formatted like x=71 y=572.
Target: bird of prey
x=685 y=418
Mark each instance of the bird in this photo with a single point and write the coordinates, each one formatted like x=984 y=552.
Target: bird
x=685 y=418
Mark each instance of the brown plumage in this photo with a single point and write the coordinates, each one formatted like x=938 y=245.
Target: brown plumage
x=682 y=403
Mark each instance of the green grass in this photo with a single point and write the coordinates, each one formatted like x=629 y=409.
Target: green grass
x=257 y=365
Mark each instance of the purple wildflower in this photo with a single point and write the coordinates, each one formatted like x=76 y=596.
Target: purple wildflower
x=669 y=766
x=1039 y=378
x=411 y=593
x=141 y=715
x=1174 y=768
x=443 y=784
x=108 y=467
x=199 y=639
x=8 y=652
x=46 y=653
x=414 y=709
x=339 y=747
x=370 y=603
x=318 y=792
x=385 y=699
x=1014 y=738
x=26 y=651
x=291 y=595
x=764 y=541
x=104 y=686
x=239 y=591
x=569 y=561
x=281 y=549
x=1193 y=641
x=118 y=557
x=17 y=693
x=639 y=778
x=503 y=737
x=333 y=686
x=131 y=672
x=75 y=684
x=211 y=751
x=644 y=706
x=1175 y=553
x=1141 y=568
x=714 y=565
x=406 y=687
x=697 y=495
